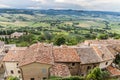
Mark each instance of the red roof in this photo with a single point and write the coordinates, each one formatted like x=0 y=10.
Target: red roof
x=65 y=54
x=14 y=54
x=114 y=71
x=102 y=42
x=39 y=52
x=103 y=53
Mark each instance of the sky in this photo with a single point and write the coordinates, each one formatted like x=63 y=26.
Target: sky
x=97 y=5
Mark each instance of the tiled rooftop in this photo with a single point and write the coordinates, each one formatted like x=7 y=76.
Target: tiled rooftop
x=39 y=52
x=102 y=42
x=65 y=54
x=48 y=54
x=14 y=54
x=114 y=49
x=103 y=53
x=113 y=71
x=88 y=55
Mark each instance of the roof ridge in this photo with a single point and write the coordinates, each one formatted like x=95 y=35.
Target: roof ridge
x=37 y=52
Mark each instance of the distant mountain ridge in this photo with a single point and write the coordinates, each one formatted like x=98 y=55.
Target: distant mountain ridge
x=58 y=12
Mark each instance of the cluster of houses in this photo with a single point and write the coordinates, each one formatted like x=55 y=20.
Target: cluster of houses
x=40 y=61
x=13 y=35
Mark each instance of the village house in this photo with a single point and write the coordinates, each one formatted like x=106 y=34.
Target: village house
x=66 y=61
x=11 y=60
x=13 y=35
x=16 y=35
x=114 y=47
x=3 y=48
x=38 y=58
x=89 y=59
x=46 y=60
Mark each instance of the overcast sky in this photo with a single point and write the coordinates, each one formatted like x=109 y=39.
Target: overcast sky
x=99 y=5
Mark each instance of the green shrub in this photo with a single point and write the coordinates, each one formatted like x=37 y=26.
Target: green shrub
x=68 y=78
x=74 y=78
x=55 y=78
x=13 y=78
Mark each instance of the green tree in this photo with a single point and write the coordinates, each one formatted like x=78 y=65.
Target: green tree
x=117 y=59
x=71 y=41
x=102 y=36
x=13 y=78
x=97 y=74
x=60 y=40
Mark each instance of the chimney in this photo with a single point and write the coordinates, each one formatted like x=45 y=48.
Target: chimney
x=103 y=55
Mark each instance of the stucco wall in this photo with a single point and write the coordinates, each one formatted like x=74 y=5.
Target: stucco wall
x=74 y=68
x=84 y=68
x=35 y=70
x=105 y=64
x=12 y=66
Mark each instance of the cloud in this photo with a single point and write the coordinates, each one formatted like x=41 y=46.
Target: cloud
x=107 y=5
x=4 y=6
x=40 y=1
x=60 y=1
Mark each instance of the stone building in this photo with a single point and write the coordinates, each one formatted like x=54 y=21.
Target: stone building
x=40 y=61
x=66 y=61
x=11 y=61
x=36 y=62
x=16 y=35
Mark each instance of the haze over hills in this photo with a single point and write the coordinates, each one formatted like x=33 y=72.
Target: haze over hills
x=58 y=12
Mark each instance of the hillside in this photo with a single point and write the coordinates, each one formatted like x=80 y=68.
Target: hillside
x=47 y=25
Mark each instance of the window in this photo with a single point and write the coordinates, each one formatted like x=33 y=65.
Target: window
x=89 y=67
x=44 y=78
x=2 y=66
x=17 y=64
x=12 y=72
x=19 y=71
x=73 y=64
x=6 y=51
x=44 y=71
x=82 y=74
x=32 y=79
x=94 y=66
x=106 y=63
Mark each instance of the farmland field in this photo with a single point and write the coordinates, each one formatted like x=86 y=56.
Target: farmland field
x=49 y=25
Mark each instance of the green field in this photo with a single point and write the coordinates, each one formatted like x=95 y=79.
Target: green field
x=49 y=26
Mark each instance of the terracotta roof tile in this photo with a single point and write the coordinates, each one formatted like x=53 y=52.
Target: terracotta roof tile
x=14 y=54
x=113 y=71
x=60 y=69
x=103 y=53
x=65 y=54
x=102 y=42
x=114 y=49
x=39 y=52
x=88 y=55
